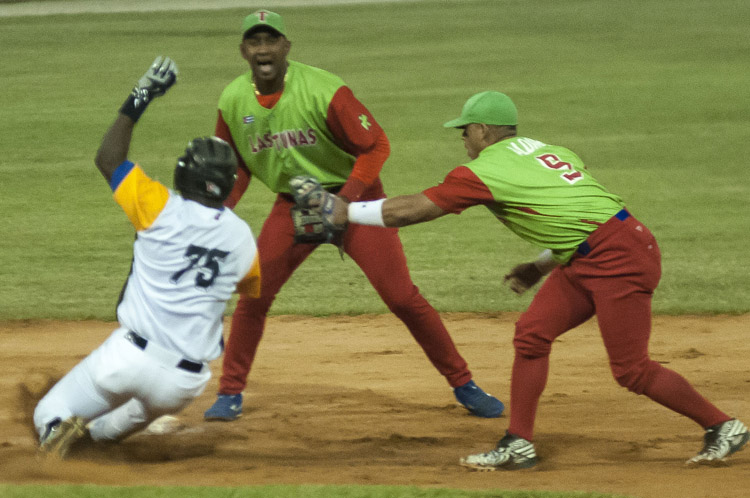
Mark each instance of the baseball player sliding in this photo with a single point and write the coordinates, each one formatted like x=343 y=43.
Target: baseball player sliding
x=190 y=255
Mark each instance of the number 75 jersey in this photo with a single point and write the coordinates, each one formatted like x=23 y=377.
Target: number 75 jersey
x=188 y=259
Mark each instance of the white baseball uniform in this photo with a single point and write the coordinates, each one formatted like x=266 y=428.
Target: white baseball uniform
x=187 y=261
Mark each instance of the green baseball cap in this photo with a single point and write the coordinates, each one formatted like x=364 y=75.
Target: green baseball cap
x=492 y=108
x=263 y=18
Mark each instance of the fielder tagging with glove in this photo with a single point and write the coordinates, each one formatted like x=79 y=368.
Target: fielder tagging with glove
x=312 y=213
x=602 y=261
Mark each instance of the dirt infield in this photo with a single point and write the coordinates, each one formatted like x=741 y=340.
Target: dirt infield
x=352 y=400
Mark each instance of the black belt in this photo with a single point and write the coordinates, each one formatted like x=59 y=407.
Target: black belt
x=185 y=364
x=584 y=247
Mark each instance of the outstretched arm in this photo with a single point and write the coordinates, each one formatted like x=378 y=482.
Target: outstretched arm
x=392 y=212
x=113 y=150
x=461 y=189
x=408 y=210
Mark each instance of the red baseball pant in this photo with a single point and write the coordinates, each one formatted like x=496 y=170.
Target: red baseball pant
x=615 y=281
x=380 y=255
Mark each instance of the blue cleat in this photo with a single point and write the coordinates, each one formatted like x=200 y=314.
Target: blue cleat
x=478 y=402
x=227 y=407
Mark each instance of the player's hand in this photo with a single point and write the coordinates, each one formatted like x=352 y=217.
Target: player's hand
x=339 y=211
x=523 y=277
x=309 y=194
x=161 y=75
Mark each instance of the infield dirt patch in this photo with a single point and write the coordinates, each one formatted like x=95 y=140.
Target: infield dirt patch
x=353 y=400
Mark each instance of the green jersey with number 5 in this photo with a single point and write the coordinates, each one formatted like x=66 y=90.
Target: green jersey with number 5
x=544 y=193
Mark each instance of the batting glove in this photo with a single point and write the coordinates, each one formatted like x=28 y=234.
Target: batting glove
x=161 y=75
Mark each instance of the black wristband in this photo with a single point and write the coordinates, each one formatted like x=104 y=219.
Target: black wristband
x=135 y=104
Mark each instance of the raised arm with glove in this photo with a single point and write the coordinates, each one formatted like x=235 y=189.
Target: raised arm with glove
x=159 y=77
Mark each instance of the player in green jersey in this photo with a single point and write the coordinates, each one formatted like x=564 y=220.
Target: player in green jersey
x=600 y=260
x=283 y=119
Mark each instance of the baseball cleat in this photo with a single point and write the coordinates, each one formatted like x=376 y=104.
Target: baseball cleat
x=60 y=437
x=512 y=453
x=227 y=407
x=720 y=441
x=478 y=402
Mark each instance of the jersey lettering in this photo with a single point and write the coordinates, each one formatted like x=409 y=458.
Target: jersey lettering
x=551 y=161
x=287 y=139
x=525 y=146
x=208 y=270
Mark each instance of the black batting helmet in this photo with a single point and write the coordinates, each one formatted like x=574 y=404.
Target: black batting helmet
x=207 y=170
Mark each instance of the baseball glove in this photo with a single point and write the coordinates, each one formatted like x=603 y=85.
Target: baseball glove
x=312 y=213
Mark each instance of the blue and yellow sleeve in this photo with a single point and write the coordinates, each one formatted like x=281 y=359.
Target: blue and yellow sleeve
x=140 y=197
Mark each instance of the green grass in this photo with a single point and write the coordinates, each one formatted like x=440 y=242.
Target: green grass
x=274 y=492
x=649 y=94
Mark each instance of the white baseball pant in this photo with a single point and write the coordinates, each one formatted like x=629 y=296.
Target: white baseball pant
x=120 y=388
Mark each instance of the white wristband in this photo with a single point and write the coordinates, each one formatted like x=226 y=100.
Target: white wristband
x=367 y=213
x=544 y=263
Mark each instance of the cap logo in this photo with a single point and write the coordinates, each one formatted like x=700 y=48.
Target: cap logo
x=262 y=15
x=365 y=123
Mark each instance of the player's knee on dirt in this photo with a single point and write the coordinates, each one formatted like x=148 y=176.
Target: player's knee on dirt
x=635 y=376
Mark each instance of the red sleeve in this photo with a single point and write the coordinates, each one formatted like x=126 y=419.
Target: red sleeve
x=243 y=173
x=461 y=189
x=357 y=133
